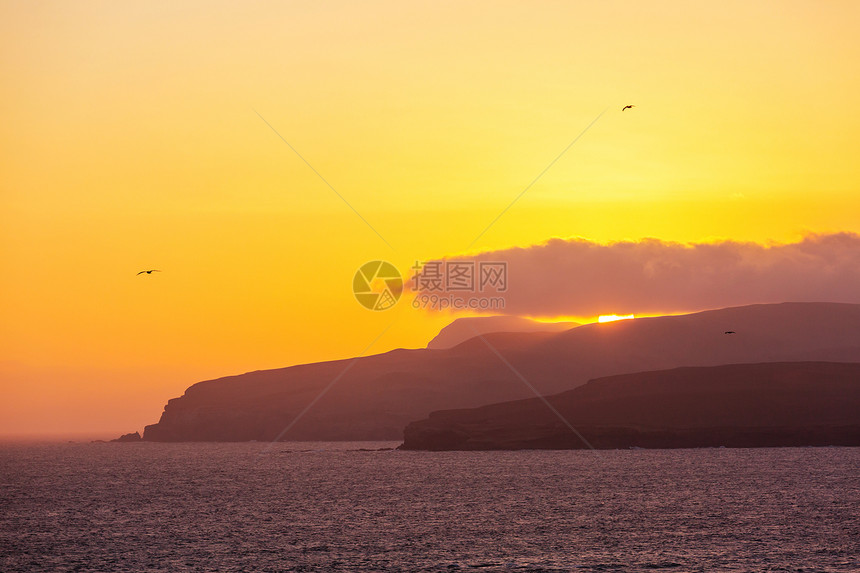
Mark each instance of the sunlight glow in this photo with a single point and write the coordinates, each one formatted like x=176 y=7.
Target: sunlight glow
x=613 y=317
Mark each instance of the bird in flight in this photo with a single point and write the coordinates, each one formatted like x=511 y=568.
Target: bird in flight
x=627 y=107
x=729 y=332
x=149 y=272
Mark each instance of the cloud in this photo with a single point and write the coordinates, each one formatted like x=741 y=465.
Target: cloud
x=578 y=277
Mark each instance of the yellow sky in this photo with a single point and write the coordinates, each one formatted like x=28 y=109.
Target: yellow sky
x=131 y=140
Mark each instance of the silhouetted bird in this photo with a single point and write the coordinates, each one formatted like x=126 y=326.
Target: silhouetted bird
x=149 y=272
x=627 y=107
x=729 y=332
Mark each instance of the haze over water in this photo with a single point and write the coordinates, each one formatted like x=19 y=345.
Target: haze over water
x=308 y=506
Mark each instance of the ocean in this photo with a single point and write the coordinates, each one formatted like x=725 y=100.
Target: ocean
x=303 y=506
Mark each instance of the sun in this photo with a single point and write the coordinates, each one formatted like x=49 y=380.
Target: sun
x=613 y=317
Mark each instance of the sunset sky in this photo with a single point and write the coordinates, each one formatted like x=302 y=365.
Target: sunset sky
x=143 y=136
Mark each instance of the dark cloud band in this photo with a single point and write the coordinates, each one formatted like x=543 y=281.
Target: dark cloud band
x=577 y=277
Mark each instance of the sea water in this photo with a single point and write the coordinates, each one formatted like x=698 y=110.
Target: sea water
x=364 y=507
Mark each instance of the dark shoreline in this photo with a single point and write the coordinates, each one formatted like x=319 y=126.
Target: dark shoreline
x=621 y=438
x=738 y=405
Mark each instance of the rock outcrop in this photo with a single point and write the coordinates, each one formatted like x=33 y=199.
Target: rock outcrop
x=132 y=437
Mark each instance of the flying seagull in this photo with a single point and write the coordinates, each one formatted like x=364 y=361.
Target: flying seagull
x=149 y=272
x=627 y=107
x=729 y=332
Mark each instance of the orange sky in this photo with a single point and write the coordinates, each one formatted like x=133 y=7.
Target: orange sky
x=131 y=140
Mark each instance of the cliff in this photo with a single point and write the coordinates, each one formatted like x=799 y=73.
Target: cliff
x=374 y=397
